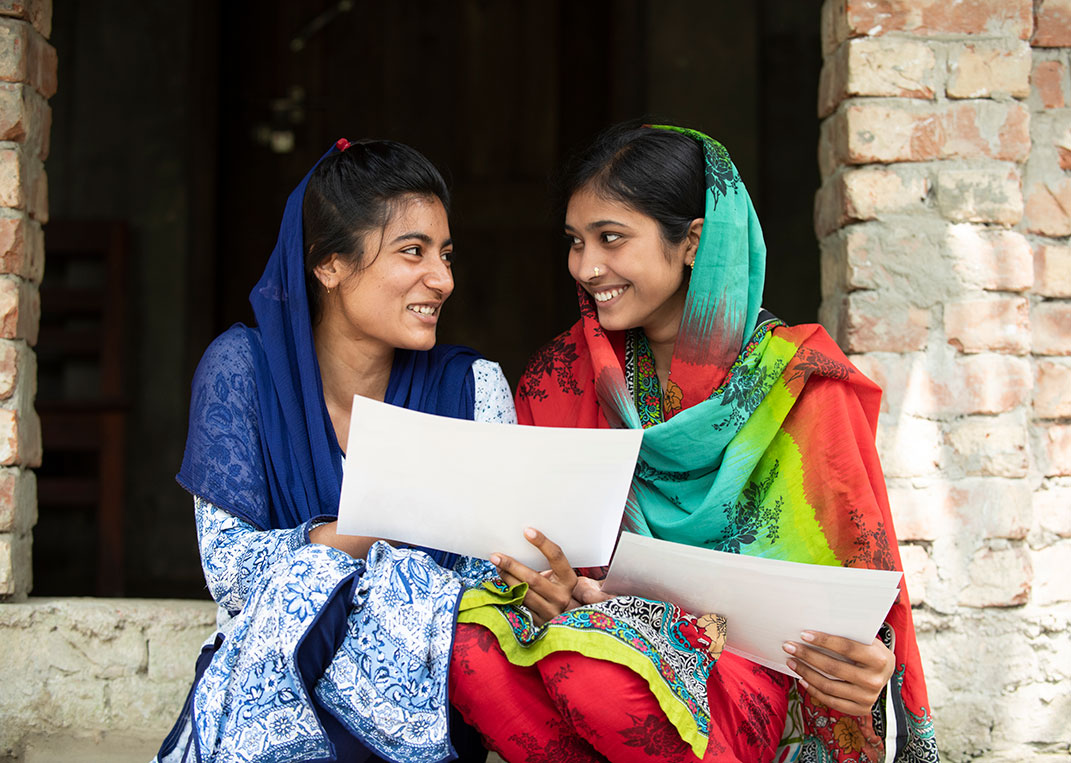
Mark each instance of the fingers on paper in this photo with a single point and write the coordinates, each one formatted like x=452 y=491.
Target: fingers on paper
x=852 y=680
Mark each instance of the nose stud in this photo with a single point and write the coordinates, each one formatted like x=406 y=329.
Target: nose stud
x=595 y=272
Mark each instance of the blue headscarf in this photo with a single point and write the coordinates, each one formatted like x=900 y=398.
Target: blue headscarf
x=261 y=444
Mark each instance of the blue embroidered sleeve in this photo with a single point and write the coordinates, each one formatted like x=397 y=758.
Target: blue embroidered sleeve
x=234 y=552
x=494 y=401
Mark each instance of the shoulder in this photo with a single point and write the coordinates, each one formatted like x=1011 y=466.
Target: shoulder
x=559 y=362
x=228 y=367
x=488 y=373
x=493 y=398
x=233 y=349
x=818 y=355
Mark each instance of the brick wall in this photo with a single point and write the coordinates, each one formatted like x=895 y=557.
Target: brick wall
x=943 y=217
x=27 y=80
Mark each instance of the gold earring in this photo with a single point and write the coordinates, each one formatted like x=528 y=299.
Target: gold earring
x=692 y=264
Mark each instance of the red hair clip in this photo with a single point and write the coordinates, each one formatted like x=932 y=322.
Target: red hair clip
x=342 y=144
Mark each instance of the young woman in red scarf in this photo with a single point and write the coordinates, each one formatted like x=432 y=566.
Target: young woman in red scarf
x=759 y=439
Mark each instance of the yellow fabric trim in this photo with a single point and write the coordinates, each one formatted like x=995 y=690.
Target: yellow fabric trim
x=599 y=646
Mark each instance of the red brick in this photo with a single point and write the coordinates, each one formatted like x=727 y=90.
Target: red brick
x=832 y=143
x=37 y=12
x=9 y=437
x=25 y=118
x=985 y=507
x=924 y=18
x=891 y=67
x=9 y=368
x=1051 y=327
x=1048 y=82
x=990 y=445
x=856 y=195
x=1051 y=509
x=22 y=248
x=986 y=383
x=1000 y=324
x=1052 y=583
x=903 y=132
x=1052 y=270
x=982 y=70
x=23 y=183
x=1063 y=150
x=991 y=195
x=919 y=571
x=995 y=260
x=16 y=571
x=20 y=438
x=911 y=447
x=1047 y=210
x=1053 y=24
x=18 y=500
x=1052 y=394
x=25 y=56
x=1056 y=447
x=990 y=384
x=20 y=309
x=870 y=324
x=998 y=578
x=854 y=258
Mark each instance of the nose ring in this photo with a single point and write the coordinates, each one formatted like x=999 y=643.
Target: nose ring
x=595 y=272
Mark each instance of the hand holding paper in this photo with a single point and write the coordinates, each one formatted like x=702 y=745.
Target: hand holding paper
x=472 y=488
x=765 y=601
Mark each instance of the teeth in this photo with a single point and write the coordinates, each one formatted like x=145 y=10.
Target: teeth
x=606 y=296
x=423 y=309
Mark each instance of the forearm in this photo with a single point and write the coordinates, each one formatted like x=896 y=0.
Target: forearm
x=355 y=545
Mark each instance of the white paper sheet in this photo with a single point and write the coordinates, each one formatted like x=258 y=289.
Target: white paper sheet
x=765 y=602
x=472 y=488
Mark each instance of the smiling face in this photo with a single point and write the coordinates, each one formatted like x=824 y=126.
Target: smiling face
x=641 y=277
x=394 y=299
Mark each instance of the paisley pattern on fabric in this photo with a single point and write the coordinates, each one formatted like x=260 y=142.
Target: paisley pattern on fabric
x=387 y=682
x=233 y=553
x=251 y=704
x=674 y=650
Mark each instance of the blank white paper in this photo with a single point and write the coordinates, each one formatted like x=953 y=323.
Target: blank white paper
x=765 y=602
x=472 y=488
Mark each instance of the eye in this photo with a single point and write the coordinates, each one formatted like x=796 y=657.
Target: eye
x=609 y=238
x=448 y=257
x=413 y=251
x=572 y=240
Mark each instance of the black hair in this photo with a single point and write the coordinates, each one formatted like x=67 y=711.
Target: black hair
x=660 y=173
x=352 y=192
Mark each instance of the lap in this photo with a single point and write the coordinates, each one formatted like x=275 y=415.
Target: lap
x=568 y=699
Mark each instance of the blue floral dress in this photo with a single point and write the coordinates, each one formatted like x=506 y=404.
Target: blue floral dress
x=272 y=682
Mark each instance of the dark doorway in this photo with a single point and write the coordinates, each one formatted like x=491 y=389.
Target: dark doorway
x=191 y=122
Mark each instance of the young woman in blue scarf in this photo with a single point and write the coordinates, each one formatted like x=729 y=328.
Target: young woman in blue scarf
x=330 y=647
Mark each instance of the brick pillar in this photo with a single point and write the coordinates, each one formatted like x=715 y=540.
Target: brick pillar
x=27 y=79
x=943 y=219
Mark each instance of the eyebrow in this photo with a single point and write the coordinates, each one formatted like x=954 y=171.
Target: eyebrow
x=421 y=237
x=600 y=224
